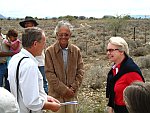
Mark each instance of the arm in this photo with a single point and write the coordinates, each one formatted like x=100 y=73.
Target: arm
x=7 y=42
x=15 y=45
x=34 y=99
x=52 y=104
x=5 y=54
x=133 y=77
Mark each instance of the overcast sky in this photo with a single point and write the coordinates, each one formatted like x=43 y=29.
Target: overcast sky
x=88 y=8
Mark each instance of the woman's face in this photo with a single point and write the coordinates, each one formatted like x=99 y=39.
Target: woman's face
x=63 y=36
x=113 y=53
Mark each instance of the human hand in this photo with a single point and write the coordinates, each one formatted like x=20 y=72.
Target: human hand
x=70 y=93
x=110 y=110
x=52 y=104
x=72 y=89
x=52 y=99
x=55 y=106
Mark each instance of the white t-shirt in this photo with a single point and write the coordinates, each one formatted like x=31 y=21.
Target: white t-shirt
x=31 y=92
x=41 y=59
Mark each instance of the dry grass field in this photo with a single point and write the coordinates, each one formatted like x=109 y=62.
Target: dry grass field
x=91 y=37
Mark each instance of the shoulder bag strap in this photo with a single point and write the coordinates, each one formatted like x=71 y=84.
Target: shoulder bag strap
x=17 y=74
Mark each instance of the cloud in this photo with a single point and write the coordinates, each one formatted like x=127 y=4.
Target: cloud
x=89 y=8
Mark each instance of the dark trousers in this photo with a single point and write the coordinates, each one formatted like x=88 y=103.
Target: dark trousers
x=7 y=86
x=4 y=75
x=120 y=109
x=45 y=83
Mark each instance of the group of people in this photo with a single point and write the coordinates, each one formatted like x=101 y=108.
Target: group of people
x=43 y=78
x=62 y=65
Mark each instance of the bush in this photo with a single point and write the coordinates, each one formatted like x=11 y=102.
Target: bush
x=140 y=51
x=143 y=61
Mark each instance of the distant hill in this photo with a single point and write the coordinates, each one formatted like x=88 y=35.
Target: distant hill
x=140 y=16
x=2 y=17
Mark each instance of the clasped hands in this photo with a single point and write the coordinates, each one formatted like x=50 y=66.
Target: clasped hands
x=70 y=93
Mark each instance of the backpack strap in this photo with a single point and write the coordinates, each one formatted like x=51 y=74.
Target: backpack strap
x=17 y=74
x=17 y=77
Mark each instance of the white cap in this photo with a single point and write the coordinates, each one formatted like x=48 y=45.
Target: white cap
x=8 y=103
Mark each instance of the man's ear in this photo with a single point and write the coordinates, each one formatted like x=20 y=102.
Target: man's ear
x=35 y=43
x=122 y=52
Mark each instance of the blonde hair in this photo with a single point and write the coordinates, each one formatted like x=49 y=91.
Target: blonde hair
x=118 y=41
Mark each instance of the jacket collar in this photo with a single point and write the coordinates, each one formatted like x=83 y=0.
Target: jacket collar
x=58 y=48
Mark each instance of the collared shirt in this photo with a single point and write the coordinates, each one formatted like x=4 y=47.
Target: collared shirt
x=65 y=56
x=41 y=59
x=116 y=69
x=31 y=93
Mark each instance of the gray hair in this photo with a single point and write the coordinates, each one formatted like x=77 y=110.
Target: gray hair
x=137 y=97
x=118 y=41
x=63 y=23
x=30 y=35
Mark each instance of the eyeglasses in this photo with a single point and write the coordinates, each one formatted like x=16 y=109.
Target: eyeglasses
x=111 y=50
x=63 y=35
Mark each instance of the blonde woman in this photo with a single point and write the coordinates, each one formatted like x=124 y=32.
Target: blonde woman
x=123 y=72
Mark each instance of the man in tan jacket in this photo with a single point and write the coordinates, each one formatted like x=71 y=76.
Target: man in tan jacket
x=64 y=68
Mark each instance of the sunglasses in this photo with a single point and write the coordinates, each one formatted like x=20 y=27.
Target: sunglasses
x=63 y=35
x=111 y=50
